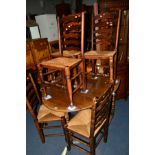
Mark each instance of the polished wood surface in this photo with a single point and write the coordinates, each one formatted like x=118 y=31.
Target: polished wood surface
x=60 y=100
x=30 y=63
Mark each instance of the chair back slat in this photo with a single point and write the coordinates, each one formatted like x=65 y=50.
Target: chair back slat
x=105 y=30
x=70 y=32
x=102 y=115
x=101 y=110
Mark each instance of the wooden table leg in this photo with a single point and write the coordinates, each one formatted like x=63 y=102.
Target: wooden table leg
x=69 y=86
x=111 y=69
x=84 y=78
x=93 y=67
x=83 y=69
x=43 y=88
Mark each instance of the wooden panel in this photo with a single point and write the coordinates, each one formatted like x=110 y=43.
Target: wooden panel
x=54 y=46
x=41 y=50
x=63 y=9
x=29 y=58
x=122 y=54
x=123 y=75
x=124 y=27
x=114 y=4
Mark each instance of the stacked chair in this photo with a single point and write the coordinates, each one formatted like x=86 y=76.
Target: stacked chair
x=71 y=35
x=105 y=33
x=68 y=61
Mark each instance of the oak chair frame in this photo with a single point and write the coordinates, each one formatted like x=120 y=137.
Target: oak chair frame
x=33 y=100
x=70 y=73
x=71 y=32
x=101 y=53
x=100 y=115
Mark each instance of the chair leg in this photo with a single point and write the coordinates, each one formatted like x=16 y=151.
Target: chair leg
x=105 y=134
x=68 y=141
x=66 y=133
x=92 y=146
x=93 y=67
x=63 y=122
x=40 y=132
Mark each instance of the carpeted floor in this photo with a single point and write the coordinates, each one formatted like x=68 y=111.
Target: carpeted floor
x=117 y=144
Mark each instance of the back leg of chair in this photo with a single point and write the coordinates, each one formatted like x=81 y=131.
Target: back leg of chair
x=93 y=67
x=68 y=141
x=92 y=146
x=67 y=138
x=40 y=131
x=105 y=134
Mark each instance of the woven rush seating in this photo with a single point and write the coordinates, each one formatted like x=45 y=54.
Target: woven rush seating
x=41 y=115
x=72 y=70
x=89 y=126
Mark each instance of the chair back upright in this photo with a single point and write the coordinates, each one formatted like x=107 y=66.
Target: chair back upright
x=32 y=97
x=105 y=27
x=101 y=112
x=71 y=32
x=41 y=115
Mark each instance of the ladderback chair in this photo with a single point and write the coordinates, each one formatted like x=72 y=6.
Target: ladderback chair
x=72 y=70
x=42 y=52
x=114 y=94
x=41 y=115
x=105 y=33
x=89 y=126
x=71 y=34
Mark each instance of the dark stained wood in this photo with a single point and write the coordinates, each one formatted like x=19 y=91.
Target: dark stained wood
x=60 y=100
x=33 y=103
x=63 y=9
x=123 y=75
x=114 y=4
x=123 y=43
x=98 y=128
x=71 y=36
x=40 y=50
x=105 y=27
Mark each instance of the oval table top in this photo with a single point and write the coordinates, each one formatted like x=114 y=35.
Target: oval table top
x=60 y=100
